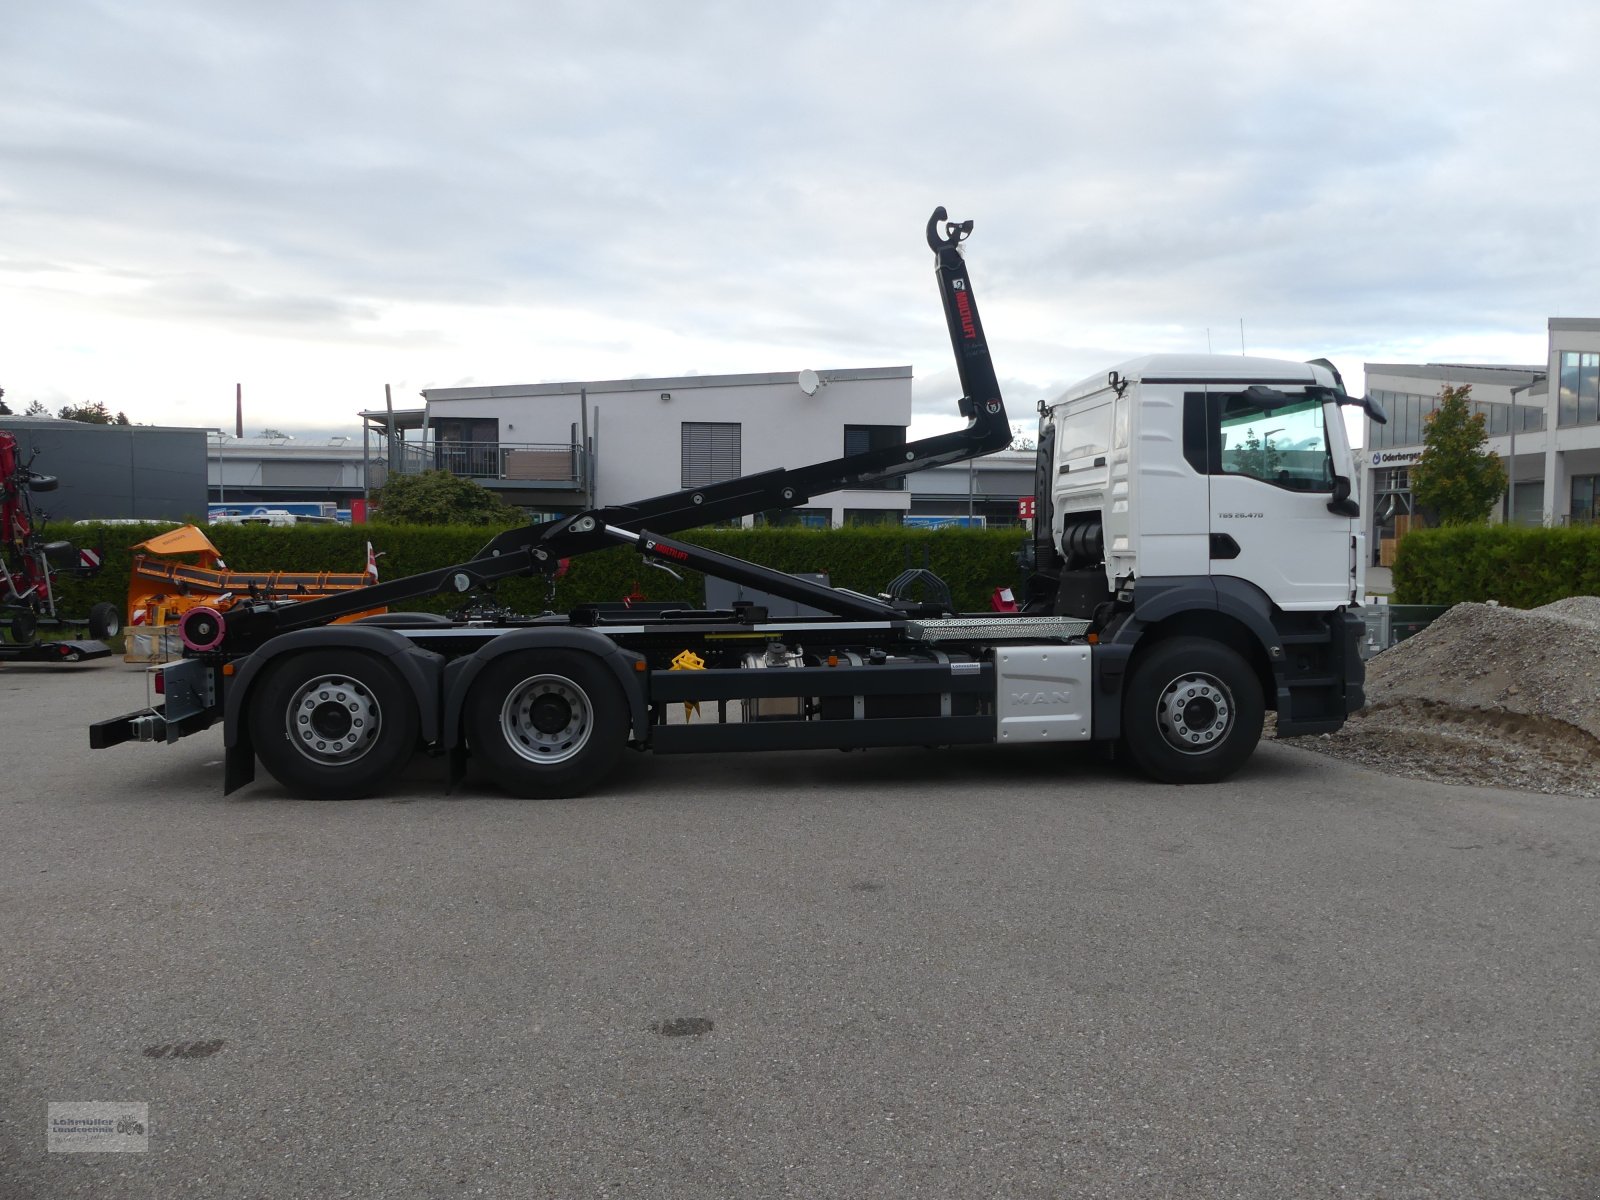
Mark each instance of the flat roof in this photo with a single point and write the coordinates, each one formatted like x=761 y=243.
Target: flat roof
x=658 y=384
x=15 y=422
x=404 y=418
x=1577 y=324
x=1458 y=372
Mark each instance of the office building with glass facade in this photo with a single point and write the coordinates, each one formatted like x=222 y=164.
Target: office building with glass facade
x=1548 y=437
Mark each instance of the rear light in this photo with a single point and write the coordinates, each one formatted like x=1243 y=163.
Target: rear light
x=161 y=683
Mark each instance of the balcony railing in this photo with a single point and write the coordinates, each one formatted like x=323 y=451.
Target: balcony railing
x=535 y=464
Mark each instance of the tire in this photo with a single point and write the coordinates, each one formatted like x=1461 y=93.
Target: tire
x=546 y=723
x=1191 y=712
x=333 y=724
x=24 y=627
x=105 y=621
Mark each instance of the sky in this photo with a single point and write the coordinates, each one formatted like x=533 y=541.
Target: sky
x=316 y=199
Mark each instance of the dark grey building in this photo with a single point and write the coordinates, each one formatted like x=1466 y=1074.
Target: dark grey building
x=115 y=471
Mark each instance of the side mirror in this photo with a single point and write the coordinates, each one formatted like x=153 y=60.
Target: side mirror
x=1374 y=409
x=1341 y=504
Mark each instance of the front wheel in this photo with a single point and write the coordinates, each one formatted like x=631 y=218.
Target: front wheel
x=333 y=724
x=24 y=627
x=546 y=723
x=1191 y=712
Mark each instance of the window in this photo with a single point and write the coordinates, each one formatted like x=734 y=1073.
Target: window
x=1285 y=446
x=1391 y=479
x=1580 y=389
x=1231 y=434
x=1585 y=499
x=710 y=452
x=858 y=439
x=805 y=518
x=871 y=516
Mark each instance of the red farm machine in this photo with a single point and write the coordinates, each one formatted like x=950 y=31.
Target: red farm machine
x=29 y=566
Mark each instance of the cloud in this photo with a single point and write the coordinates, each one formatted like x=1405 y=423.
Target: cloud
x=328 y=195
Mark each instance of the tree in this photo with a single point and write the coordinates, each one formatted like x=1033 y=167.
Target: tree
x=4 y=411
x=94 y=414
x=37 y=409
x=1457 y=478
x=440 y=498
x=1254 y=457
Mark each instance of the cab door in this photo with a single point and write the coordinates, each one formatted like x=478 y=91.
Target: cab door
x=1271 y=472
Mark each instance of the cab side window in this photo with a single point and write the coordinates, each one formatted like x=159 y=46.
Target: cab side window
x=1286 y=447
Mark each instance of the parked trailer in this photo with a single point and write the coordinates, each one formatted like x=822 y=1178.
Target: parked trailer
x=1185 y=578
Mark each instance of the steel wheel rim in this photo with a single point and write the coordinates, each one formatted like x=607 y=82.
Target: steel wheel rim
x=1195 y=712
x=334 y=720
x=547 y=719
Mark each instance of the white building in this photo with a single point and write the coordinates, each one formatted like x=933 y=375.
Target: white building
x=1549 y=438
x=987 y=487
x=557 y=446
x=263 y=472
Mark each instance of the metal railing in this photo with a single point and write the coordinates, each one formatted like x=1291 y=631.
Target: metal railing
x=548 y=464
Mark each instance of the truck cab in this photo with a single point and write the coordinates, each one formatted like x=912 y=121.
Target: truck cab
x=1205 y=465
x=1209 y=494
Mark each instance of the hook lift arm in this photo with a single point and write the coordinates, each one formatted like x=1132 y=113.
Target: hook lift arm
x=537 y=548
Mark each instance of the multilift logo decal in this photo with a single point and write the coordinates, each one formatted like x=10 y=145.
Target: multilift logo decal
x=666 y=551
x=964 y=308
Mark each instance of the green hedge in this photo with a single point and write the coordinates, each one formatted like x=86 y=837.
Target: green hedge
x=1523 y=568
x=865 y=558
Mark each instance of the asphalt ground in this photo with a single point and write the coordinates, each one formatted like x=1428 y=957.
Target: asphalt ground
x=965 y=973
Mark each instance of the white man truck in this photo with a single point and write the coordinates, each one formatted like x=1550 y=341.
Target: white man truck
x=1196 y=555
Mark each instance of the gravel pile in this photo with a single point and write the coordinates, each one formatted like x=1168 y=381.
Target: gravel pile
x=1500 y=697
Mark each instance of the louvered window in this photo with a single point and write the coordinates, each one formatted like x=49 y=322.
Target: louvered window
x=710 y=452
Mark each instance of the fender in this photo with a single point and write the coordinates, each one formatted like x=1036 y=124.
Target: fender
x=1157 y=598
x=421 y=669
x=460 y=674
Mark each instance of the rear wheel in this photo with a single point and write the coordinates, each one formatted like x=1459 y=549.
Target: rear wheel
x=105 y=620
x=1191 y=712
x=547 y=723
x=333 y=725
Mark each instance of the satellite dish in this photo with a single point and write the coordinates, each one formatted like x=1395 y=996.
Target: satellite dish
x=809 y=381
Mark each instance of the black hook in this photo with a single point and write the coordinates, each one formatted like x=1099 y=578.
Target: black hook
x=955 y=231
